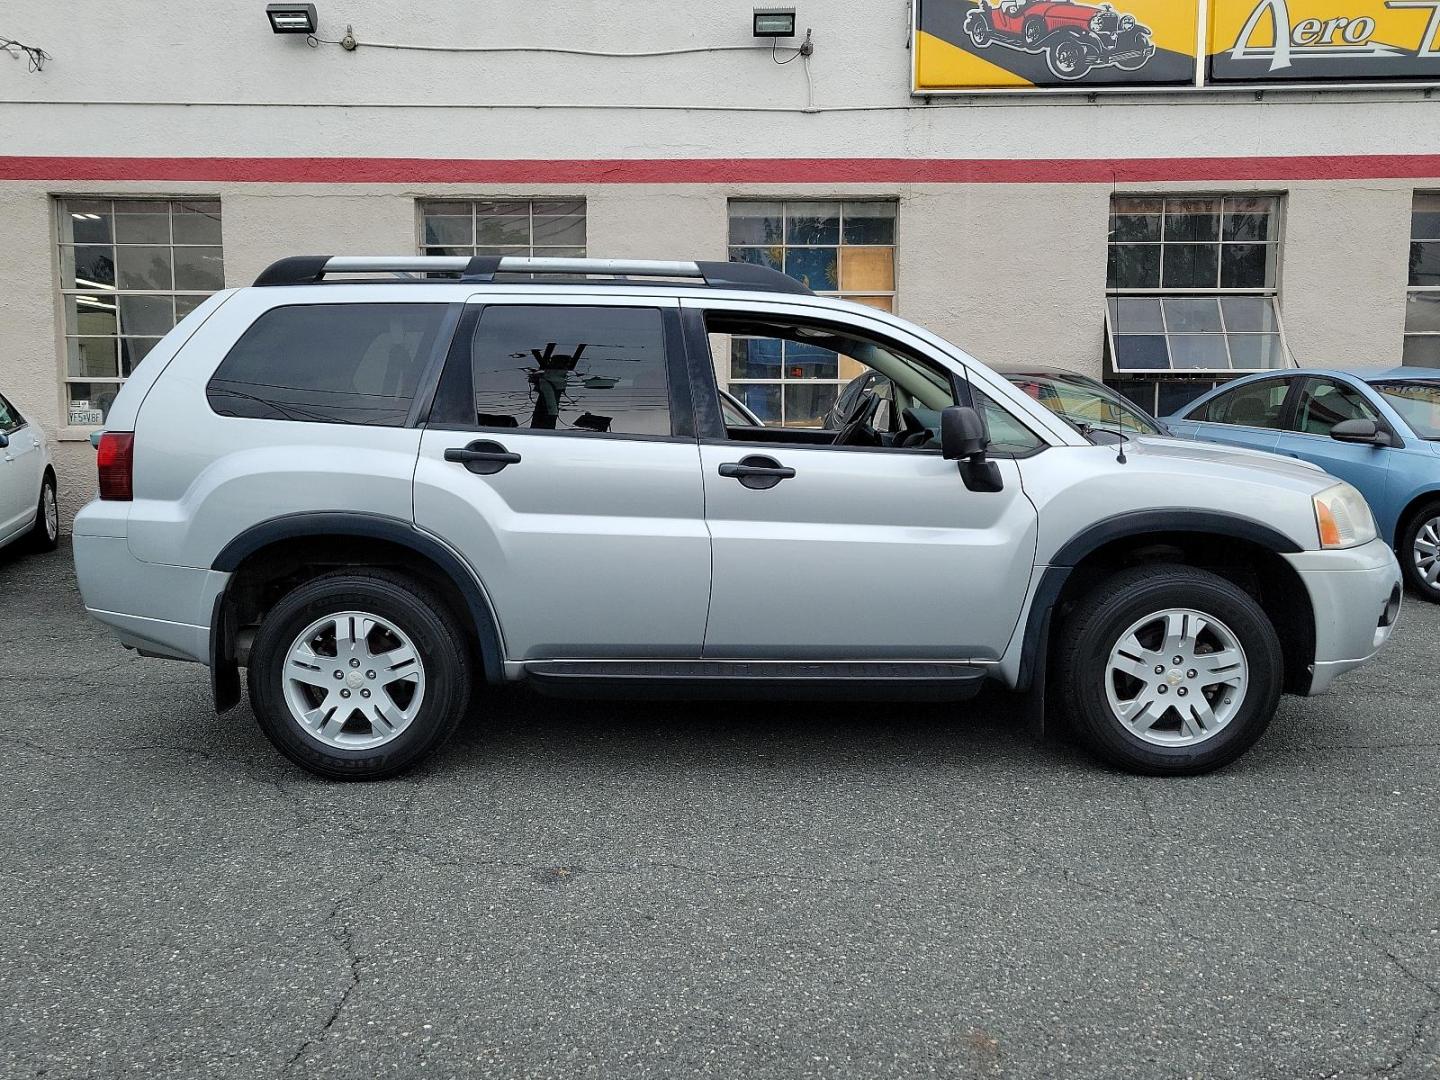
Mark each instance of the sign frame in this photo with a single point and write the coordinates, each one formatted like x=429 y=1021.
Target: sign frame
x=1202 y=82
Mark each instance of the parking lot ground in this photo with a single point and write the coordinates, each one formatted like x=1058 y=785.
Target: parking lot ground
x=617 y=890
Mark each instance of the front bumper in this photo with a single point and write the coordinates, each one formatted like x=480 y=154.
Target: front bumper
x=1355 y=594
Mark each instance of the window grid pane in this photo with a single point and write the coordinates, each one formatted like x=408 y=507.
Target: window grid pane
x=1226 y=242
x=843 y=248
x=529 y=228
x=1422 y=298
x=1191 y=284
x=129 y=270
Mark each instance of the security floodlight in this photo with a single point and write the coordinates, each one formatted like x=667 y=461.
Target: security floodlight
x=292 y=18
x=774 y=22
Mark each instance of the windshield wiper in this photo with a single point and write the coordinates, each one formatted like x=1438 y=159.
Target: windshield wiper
x=1088 y=430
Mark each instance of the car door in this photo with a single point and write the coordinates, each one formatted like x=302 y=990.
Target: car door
x=1249 y=415
x=850 y=552
x=22 y=466
x=560 y=460
x=1319 y=405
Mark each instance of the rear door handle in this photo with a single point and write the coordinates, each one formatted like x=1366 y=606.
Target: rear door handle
x=757 y=472
x=482 y=457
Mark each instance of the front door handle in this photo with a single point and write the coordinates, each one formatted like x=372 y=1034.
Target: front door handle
x=482 y=457
x=757 y=472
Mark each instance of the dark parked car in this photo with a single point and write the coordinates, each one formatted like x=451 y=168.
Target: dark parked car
x=1087 y=404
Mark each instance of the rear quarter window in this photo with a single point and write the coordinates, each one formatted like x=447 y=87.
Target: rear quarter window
x=329 y=363
x=1258 y=405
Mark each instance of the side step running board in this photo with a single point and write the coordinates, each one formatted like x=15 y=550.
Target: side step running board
x=856 y=679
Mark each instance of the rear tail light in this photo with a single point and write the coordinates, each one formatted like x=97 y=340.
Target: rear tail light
x=115 y=458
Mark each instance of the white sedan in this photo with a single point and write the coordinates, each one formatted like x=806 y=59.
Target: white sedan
x=27 y=483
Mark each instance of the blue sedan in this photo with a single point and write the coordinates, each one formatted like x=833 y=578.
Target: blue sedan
x=1378 y=430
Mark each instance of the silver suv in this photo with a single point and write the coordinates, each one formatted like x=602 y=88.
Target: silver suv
x=380 y=494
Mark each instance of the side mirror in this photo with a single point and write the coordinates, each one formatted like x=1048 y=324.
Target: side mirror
x=963 y=439
x=1364 y=432
x=4 y=440
x=962 y=434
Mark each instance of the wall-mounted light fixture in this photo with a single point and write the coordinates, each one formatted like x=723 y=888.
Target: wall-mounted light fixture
x=774 y=22
x=292 y=18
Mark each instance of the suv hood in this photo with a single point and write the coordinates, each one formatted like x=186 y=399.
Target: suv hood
x=1216 y=454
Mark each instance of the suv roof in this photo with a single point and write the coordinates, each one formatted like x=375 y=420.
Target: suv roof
x=487 y=269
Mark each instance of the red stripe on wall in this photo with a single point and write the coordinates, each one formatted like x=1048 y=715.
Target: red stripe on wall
x=720 y=170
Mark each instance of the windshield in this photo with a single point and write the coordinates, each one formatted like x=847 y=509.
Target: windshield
x=1086 y=404
x=1417 y=401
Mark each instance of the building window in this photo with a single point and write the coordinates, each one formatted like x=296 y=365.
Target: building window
x=844 y=249
x=129 y=270
x=533 y=228
x=1422 y=302
x=1192 y=295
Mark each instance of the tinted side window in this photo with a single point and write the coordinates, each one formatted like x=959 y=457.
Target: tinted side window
x=574 y=369
x=1257 y=405
x=329 y=363
x=1323 y=404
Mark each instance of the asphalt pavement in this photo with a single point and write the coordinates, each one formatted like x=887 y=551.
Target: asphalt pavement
x=739 y=891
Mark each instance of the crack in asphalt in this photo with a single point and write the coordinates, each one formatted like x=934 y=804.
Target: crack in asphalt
x=643 y=866
x=344 y=936
x=1422 y=1022
x=70 y=676
x=1369 y=934
x=61 y=753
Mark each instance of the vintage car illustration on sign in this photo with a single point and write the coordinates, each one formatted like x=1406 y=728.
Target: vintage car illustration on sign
x=1074 y=38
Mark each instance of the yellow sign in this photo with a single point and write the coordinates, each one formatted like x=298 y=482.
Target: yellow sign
x=993 y=44
x=1323 y=41
x=968 y=46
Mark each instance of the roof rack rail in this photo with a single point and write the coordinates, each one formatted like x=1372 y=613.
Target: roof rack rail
x=482 y=269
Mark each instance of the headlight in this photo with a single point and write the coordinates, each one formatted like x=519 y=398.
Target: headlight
x=1097 y=23
x=1127 y=23
x=1343 y=517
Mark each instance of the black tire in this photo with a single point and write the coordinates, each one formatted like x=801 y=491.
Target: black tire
x=1095 y=625
x=1034 y=32
x=979 y=32
x=1405 y=550
x=45 y=536
x=1067 y=60
x=412 y=607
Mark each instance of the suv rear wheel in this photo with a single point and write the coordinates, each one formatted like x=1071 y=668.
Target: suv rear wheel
x=1170 y=670
x=358 y=676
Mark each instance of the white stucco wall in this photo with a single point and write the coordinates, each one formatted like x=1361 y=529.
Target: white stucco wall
x=1013 y=271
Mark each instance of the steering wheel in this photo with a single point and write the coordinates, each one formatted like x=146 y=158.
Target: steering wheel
x=859 y=430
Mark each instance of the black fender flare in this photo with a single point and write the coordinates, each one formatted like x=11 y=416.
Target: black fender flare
x=1035 y=646
x=224 y=671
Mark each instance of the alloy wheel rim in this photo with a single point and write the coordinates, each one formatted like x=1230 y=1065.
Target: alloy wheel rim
x=1427 y=553
x=1176 y=677
x=52 y=513
x=353 y=681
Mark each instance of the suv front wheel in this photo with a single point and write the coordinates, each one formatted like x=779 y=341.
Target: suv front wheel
x=1169 y=670
x=357 y=676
